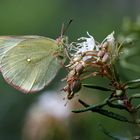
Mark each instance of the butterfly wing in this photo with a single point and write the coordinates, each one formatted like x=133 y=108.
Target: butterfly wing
x=6 y=43
x=30 y=63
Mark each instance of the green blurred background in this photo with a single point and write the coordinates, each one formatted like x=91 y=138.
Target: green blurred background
x=45 y=17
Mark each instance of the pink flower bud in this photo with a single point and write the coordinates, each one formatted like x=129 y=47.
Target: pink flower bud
x=105 y=57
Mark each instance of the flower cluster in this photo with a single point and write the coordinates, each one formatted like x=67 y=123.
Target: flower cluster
x=89 y=58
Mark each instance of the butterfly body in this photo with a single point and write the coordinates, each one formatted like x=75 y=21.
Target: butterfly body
x=29 y=63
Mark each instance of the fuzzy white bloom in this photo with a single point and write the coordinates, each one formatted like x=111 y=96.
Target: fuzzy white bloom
x=88 y=44
x=110 y=38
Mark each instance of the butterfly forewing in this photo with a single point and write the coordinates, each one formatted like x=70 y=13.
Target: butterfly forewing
x=30 y=64
x=6 y=43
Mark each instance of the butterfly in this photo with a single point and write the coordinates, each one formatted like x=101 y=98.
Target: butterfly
x=29 y=63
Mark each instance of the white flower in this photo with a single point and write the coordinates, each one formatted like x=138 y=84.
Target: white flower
x=110 y=38
x=88 y=44
x=90 y=50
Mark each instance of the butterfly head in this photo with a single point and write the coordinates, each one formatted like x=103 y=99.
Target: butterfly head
x=64 y=39
x=62 y=42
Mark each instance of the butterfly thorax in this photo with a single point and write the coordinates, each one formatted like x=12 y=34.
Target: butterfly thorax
x=62 y=42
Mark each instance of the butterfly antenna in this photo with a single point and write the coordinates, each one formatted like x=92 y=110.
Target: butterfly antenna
x=64 y=30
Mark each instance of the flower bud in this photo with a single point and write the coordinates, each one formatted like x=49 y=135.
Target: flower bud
x=73 y=86
x=79 y=68
x=105 y=57
x=101 y=53
x=105 y=45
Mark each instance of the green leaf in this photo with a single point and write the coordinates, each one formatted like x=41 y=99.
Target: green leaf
x=132 y=84
x=98 y=109
x=93 y=108
x=135 y=96
x=97 y=87
x=114 y=115
x=115 y=105
x=89 y=108
x=133 y=87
